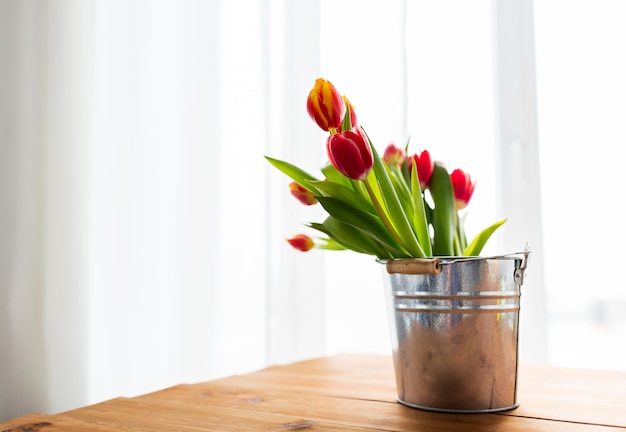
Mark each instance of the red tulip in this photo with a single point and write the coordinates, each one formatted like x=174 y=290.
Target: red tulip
x=394 y=155
x=425 y=167
x=325 y=105
x=463 y=188
x=303 y=195
x=301 y=242
x=350 y=152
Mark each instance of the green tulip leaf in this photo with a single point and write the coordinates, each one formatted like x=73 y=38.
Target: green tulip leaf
x=443 y=216
x=460 y=232
x=298 y=175
x=367 y=223
x=476 y=245
x=420 y=221
x=345 y=194
x=330 y=244
x=350 y=238
x=331 y=174
x=404 y=193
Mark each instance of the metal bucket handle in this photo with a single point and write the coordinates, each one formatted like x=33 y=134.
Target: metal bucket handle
x=435 y=265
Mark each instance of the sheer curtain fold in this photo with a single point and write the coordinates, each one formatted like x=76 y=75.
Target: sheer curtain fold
x=295 y=284
x=21 y=204
x=517 y=159
x=46 y=77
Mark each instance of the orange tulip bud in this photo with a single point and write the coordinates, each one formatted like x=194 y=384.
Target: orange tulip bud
x=303 y=195
x=301 y=242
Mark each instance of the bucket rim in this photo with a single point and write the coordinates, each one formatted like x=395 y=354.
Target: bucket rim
x=435 y=265
x=451 y=259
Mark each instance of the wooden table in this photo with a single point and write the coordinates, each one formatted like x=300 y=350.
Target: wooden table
x=345 y=393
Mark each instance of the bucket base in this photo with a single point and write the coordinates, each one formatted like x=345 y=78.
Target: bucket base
x=458 y=411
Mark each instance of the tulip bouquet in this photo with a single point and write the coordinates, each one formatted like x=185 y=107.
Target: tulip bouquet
x=392 y=206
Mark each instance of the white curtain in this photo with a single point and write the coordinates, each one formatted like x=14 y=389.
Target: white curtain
x=45 y=146
x=134 y=195
x=141 y=230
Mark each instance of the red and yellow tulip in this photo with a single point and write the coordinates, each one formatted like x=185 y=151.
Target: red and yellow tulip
x=325 y=106
x=302 y=194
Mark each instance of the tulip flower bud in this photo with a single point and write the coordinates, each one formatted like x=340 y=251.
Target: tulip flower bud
x=350 y=153
x=326 y=106
x=463 y=188
x=394 y=155
x=301 y=242
x=302 y=194
x=425 y=167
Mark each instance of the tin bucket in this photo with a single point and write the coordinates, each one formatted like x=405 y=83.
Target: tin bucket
x=454 y=331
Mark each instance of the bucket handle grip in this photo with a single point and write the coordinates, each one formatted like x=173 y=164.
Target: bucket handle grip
x=414 y=266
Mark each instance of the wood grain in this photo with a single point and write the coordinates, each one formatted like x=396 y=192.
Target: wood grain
x=344 y=393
